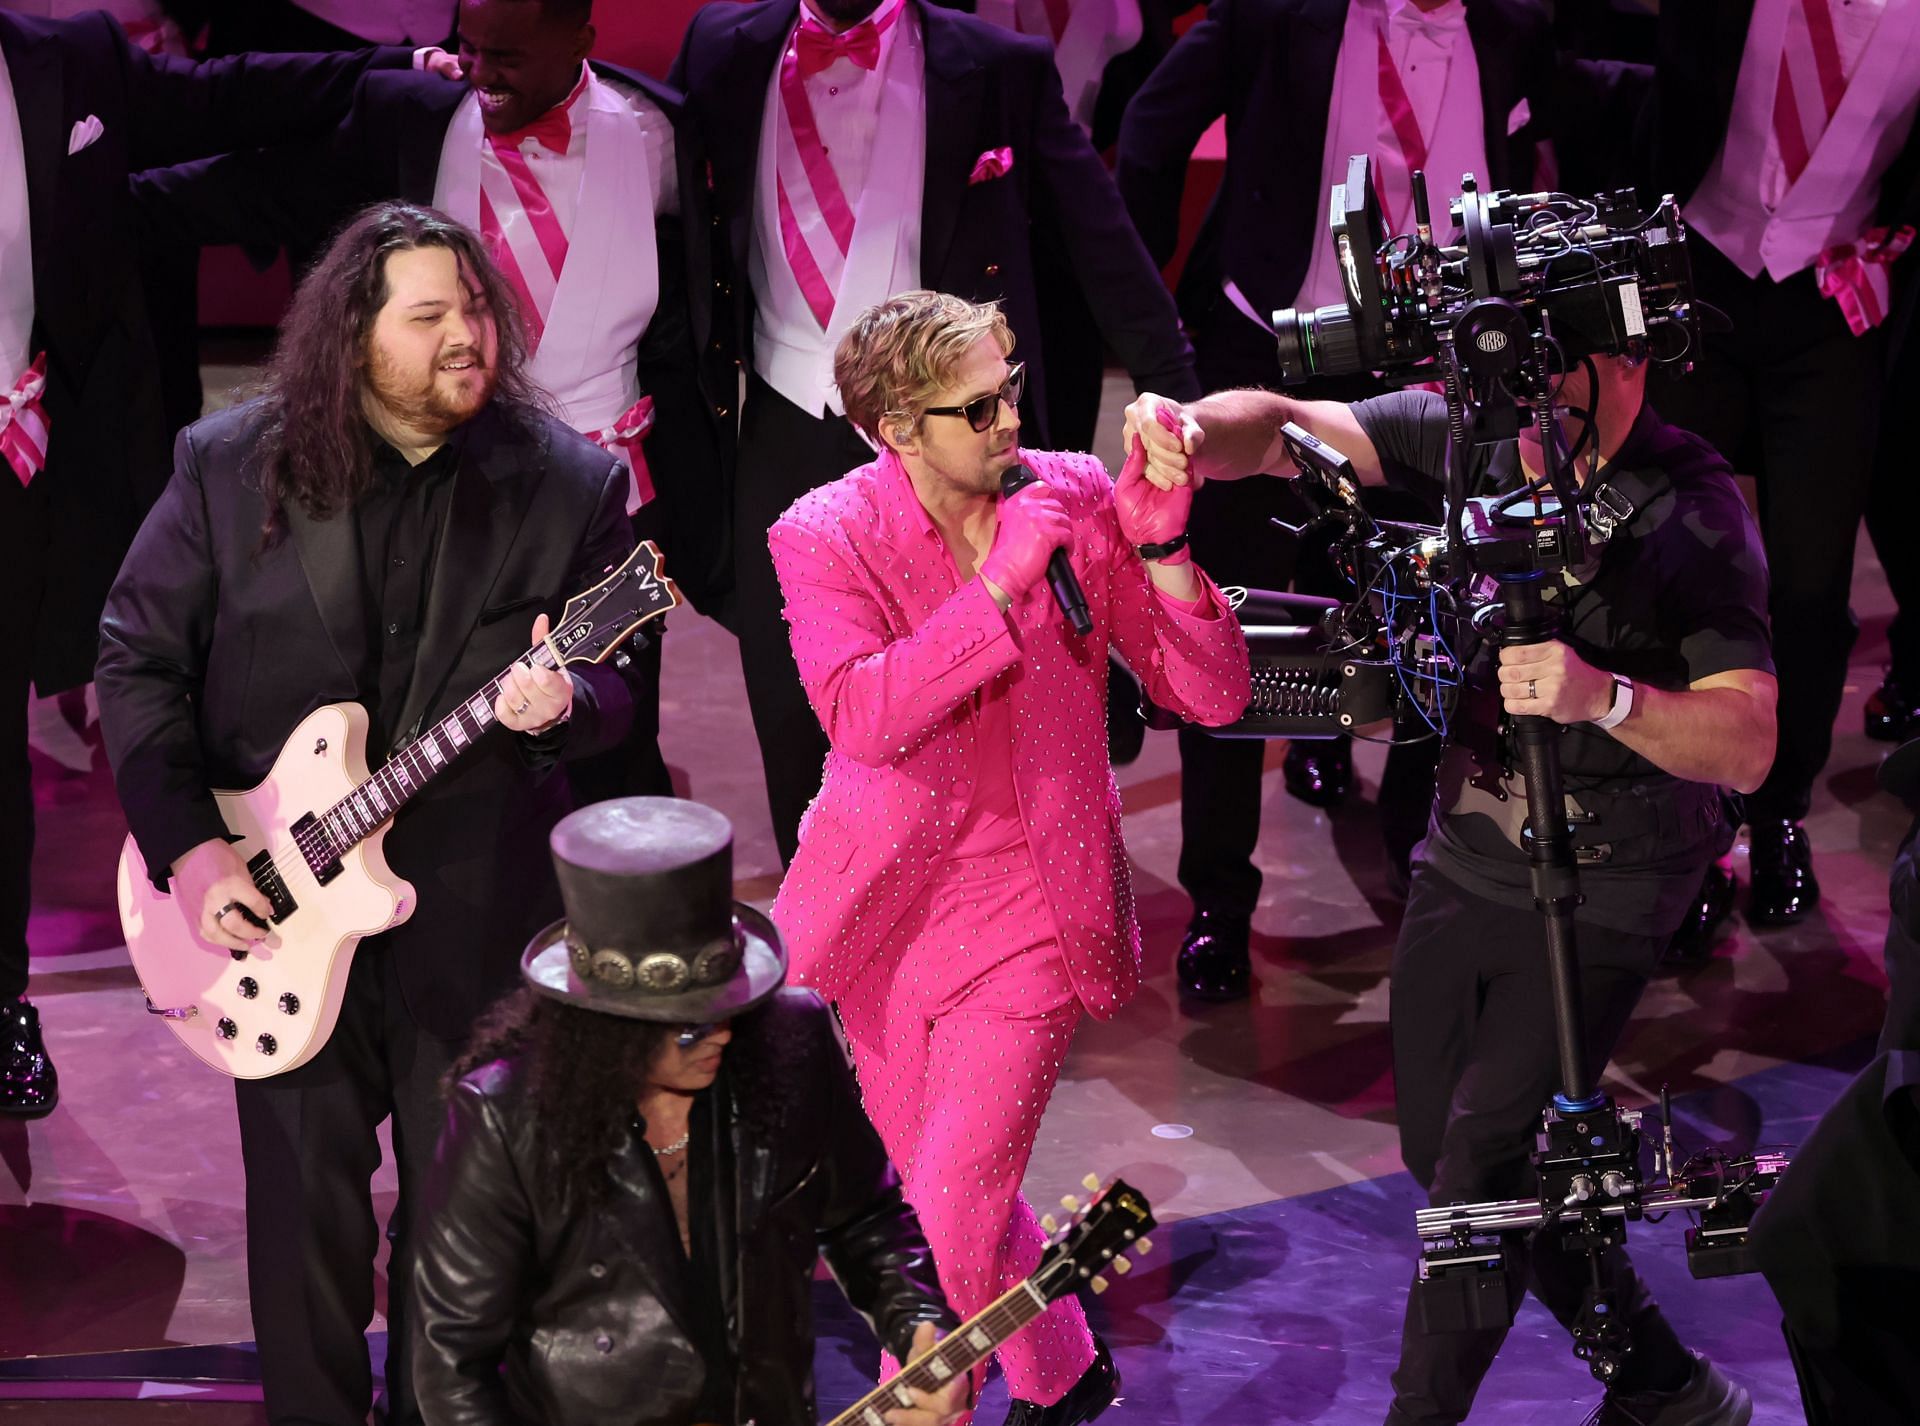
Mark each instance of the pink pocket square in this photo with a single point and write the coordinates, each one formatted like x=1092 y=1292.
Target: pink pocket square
x=994 y=163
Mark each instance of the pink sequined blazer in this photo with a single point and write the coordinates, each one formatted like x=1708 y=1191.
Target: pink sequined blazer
x=891 y=652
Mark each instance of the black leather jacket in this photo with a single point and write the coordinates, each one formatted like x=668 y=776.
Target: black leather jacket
x=532 y=1312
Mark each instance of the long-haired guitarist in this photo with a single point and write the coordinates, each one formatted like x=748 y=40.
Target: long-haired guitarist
x=383 y=525
x=647 y=1148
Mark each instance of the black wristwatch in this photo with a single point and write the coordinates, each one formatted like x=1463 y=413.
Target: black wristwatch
x=1163 y=549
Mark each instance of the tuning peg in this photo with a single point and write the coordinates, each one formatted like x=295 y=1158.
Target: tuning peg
x=1070 y=1203
x=1049 y=1223
x=1099 y=1285
x=1122 y=1266
x=1091 y=1183
x=1145 y=1245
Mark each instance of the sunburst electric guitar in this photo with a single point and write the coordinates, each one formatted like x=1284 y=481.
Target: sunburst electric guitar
x=311 y=837
x=1096 y=1240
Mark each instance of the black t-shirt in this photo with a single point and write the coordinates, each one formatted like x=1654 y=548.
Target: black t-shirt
x=1677 y=595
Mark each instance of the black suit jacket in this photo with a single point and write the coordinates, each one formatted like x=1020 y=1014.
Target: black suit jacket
x=388 y=147
x=1268 y=66
x=986 y=88
x=106 y=457
x=589 y=1310
x=211 y=650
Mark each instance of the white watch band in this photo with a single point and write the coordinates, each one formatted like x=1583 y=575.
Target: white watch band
x=1622 y=704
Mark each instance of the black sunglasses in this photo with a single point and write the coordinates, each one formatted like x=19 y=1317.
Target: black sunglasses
x=690 y=1035
x=982 y=409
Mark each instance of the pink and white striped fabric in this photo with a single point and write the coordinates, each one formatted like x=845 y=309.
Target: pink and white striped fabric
x=23 y=423
x=1855 y=275
x=816 y=219
x=1813 y=81
x=1397 y=161
x=518 y=225
x=625 y=438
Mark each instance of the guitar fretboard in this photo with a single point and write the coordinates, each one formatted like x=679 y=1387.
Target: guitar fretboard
x=374 y=802
x=960 y=1351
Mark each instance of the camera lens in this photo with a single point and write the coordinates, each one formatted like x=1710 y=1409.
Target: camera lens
x=1323 y=342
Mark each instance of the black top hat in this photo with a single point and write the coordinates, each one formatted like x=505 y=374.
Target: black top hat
x=652 y=931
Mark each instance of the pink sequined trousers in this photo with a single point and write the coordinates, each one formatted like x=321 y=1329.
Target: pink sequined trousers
x=957 y=1040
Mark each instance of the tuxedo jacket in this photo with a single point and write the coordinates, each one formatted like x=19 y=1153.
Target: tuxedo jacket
x=388 y=147
x=212 y=649
x=891 y=659
x=107 y=451
x=986 y=88
x=1268 y=66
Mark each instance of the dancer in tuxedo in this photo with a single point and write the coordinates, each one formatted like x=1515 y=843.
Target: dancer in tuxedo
x=83 y=444
x=589 y=191
x=1438 y=85
x=961 y=889
x=382 y=526
x=1786 y=128
x=859 y=150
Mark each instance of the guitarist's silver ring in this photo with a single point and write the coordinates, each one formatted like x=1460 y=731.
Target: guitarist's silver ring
x=230 y=906
x=523 y=708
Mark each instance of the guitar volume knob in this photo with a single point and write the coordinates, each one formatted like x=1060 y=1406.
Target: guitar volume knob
x=266 y=1045
x=290 y=1003
x=248 y=987
x=225 y=1029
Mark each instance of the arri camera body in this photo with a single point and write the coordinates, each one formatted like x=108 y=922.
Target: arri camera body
x=1533 y=287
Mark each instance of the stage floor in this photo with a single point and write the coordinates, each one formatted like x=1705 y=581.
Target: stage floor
x=1261 y=1131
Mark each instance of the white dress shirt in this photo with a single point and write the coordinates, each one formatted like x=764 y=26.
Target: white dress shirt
x=1746 y=206
x=16 y=243
x=1438 y=69
x=873 y=126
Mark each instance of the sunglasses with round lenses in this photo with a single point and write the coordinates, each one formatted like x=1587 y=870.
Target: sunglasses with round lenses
x=980 y=411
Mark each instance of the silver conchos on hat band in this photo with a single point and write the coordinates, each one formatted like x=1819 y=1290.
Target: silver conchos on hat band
x=614 y=969
x=717 y=962
x=663 y=973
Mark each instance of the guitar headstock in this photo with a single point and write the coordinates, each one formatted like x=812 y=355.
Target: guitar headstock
x=597 y=622
x=1097 y=1238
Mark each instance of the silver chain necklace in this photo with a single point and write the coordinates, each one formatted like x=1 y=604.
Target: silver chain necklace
x=676 y=1146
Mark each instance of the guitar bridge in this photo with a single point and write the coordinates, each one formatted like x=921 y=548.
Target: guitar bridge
x=266 y=876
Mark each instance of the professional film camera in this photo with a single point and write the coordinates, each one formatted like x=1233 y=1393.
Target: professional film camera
x=1535 y=285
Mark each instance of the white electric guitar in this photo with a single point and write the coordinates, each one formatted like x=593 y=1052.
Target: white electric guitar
x=311 y=836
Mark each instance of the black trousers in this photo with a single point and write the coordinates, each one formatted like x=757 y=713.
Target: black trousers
x=1790 y=397
x=1235 y=541
x=22 y=539
x=1474 y=1063
x=307 y=1142
x=784 y=452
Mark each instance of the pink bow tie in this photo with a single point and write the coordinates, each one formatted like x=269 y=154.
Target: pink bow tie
x=553 y=131
x=819 y=47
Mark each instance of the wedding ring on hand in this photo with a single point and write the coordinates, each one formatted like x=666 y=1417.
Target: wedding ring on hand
x=230 y=906
x=1533 y=690
x=523 y=708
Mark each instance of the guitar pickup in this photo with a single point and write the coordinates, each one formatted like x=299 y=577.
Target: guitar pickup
x=317 y=848
x=266 y=876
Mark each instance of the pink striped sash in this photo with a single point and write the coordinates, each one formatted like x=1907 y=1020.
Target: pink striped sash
x=1811 y=85
x=1412 y=144
x=23 y=423
x=817 y=272
x=530 y=253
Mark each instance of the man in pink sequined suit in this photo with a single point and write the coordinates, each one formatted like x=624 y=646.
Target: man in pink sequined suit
x=961 y=889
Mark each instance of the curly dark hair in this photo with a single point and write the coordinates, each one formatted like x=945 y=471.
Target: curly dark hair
x=316 y=448
x=584 y=1072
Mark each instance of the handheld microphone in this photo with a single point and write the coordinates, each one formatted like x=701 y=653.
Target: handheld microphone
x=1066 y=584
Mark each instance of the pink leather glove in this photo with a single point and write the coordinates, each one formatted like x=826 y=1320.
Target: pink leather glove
x=1148 y=514
x=1033 y=524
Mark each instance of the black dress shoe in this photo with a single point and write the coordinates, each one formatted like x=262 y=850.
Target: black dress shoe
x=1692 y=944
x=1213 y=956
x=1318 y=772
x=29 y=1085
x=1893 y=711
x=1097 y=1389
x=1784 y=889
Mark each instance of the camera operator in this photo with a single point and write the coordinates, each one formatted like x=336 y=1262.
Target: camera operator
x=1662 y=679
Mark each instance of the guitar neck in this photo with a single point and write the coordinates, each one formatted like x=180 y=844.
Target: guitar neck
x=375 y=802
x=961 y=1350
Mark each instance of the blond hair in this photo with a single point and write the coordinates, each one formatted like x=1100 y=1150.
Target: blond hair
x=900 y=352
